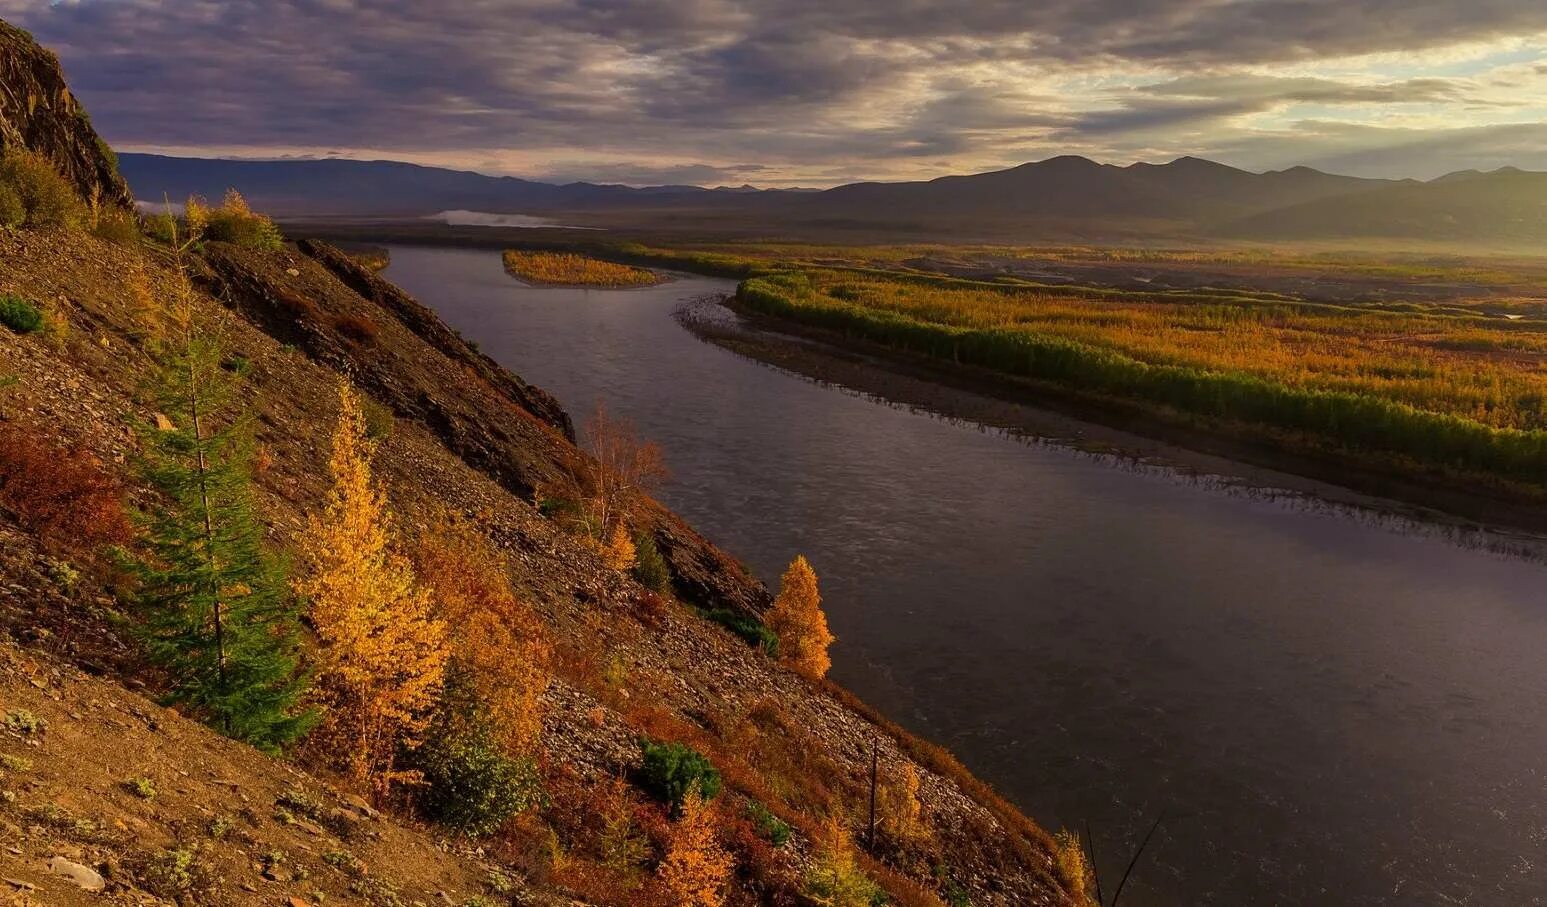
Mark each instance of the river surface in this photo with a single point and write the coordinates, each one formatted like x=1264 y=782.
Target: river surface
x=1330 y=706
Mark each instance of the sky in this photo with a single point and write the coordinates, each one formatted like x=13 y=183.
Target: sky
x=812 y=92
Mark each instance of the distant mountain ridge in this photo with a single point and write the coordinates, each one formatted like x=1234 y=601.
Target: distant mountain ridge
x=1066 y=197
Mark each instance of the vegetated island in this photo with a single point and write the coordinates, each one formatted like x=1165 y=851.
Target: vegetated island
x=570 y=269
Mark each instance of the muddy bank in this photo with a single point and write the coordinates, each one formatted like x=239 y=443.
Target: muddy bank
x=1112 y=428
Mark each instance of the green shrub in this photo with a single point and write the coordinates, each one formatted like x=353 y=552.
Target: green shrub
x=378 y=420
x=773 y=829
x=118 y=227
x=47 y=199
x=649 y=567
x=749 y=628
x=670 y=770
x=470 y=783
x=554 y=508
x=162 y=228
x=20 y=315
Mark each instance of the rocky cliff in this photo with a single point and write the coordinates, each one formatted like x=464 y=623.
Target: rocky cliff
x=37 y=111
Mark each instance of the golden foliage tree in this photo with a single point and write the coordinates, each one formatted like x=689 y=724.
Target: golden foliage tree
x=835 y=878
x=696 y=867
x=898 y=804
x=496 y=638
x=797 y=618
x=1076 y=870
x=383 y=652
x=619 y=552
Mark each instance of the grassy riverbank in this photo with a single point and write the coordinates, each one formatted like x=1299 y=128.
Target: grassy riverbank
x=1448 y=393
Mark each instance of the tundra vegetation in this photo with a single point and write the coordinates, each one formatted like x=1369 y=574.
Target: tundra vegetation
x=573 y=269
x=1437 y=391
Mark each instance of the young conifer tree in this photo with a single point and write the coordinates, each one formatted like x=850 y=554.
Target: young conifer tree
x=217 y=611
x=797 y=618
x=384 y=651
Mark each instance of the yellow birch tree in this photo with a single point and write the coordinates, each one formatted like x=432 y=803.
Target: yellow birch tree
x=383 y=651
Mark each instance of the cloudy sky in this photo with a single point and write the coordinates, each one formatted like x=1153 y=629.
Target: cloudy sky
x=813 y=92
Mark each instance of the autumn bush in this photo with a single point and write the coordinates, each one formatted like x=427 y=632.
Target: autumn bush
x=20 y=315
x=499 y=642
x=1075 y=869
x=232 y=221
x=36 y=195
x=116 y=226
x=897 y=805
x=63 y=493
x=835 y=878
x=603 y=838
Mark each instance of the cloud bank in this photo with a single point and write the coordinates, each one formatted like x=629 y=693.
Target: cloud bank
x=806 y=92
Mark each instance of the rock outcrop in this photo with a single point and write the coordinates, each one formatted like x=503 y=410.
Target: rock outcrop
x=38 y=112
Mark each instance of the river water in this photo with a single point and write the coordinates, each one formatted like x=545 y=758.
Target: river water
x=1329 y=706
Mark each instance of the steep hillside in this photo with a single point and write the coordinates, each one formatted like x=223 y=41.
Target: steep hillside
x=102 y=788
x=37 y=111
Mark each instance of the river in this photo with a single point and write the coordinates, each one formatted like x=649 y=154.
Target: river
x=1329 y=705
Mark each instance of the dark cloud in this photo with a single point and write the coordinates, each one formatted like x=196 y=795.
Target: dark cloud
x=1200 y=101
x=805 y=86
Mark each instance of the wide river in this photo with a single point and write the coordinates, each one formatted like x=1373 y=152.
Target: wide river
x=1329 y=706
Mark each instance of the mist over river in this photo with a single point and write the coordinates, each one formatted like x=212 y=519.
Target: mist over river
x=1331 y=707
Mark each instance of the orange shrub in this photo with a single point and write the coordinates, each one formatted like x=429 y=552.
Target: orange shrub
x=493 y=633
x=65 y=495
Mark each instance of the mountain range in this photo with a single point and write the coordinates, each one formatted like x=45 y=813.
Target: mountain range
x=1061 y=198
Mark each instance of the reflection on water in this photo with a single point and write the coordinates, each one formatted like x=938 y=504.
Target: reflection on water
x=462 y=218
x=1333 y=705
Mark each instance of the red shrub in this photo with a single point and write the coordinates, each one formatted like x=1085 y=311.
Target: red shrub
x=358 y=328
x=650 y=608
x=65 y=495
x=299 y=307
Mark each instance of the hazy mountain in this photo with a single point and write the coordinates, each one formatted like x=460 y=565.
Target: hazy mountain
x=1507 y=205
x=1063 y=197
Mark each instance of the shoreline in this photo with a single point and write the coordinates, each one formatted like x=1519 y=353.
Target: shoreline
x=1113 y=428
